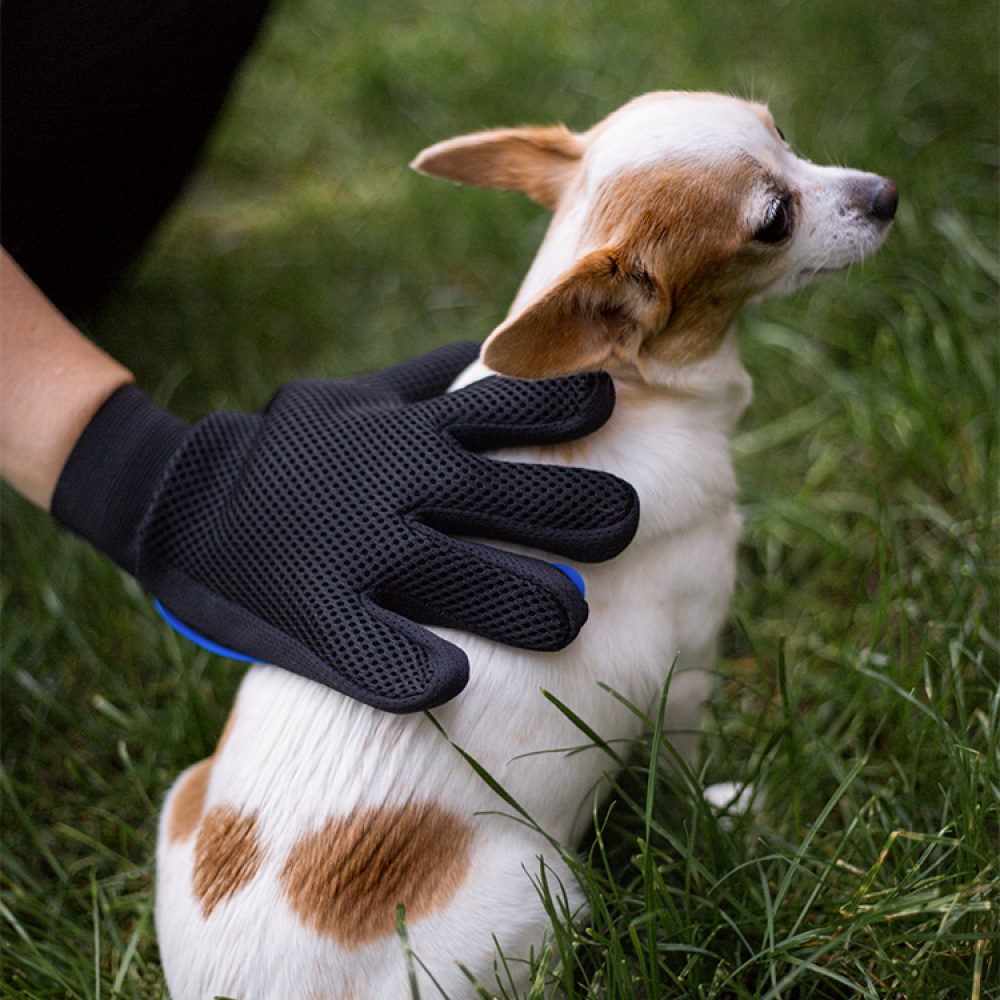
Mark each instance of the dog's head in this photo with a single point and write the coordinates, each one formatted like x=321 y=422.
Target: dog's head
x=670 y=215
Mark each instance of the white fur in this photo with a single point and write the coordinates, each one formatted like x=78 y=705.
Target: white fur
x=299 y=754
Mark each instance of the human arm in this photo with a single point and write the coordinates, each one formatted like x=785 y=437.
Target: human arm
x=52 y=382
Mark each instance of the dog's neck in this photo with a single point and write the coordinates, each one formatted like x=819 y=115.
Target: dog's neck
x=718 y=384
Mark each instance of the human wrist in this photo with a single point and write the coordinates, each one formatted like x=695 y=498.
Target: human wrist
x=113 y=469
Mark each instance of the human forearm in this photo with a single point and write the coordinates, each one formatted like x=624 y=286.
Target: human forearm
x=52 y=381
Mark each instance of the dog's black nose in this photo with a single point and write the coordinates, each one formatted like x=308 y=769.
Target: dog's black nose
x=885 y=200
x=874 y=197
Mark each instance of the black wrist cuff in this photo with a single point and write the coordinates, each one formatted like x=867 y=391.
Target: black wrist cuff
x=109 y=478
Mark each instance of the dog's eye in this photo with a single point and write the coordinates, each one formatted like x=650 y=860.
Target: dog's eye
x=778 y=222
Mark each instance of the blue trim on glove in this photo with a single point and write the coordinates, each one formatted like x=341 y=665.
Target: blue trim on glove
x=575 y=576
x=189 y=633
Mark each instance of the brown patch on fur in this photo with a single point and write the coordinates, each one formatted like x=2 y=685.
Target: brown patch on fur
x=188 y=801
x=685 y=227
x=539 y=162
x=227 y=856
x=345 y=879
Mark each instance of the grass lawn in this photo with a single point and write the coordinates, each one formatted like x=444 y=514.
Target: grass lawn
x=859 y=687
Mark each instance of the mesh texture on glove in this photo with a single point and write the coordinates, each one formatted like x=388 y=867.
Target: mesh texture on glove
x=321 y=534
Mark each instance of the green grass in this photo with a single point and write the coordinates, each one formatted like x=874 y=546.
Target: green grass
x=860 y=683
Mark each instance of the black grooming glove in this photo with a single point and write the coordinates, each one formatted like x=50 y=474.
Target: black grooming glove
x=317 y=534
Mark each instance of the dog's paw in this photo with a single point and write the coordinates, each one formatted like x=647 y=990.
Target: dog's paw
x=729 y=800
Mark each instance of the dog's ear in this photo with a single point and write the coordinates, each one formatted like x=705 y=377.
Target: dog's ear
x=539 y=162
x=594 y=317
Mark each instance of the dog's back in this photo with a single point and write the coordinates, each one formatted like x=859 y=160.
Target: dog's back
x=284 y=857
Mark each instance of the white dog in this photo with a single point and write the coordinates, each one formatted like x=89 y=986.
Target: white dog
x=283 y=857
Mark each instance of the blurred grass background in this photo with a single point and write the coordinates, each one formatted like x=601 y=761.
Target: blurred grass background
x=859 y=682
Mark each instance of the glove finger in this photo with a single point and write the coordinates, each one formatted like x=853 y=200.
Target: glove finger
x=349 y=643
x=583 y=514
x=501 y=412
x=498 y=595
x=417 y=670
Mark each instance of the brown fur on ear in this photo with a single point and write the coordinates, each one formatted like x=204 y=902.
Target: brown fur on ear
x=539 y=162
x=594 y=316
